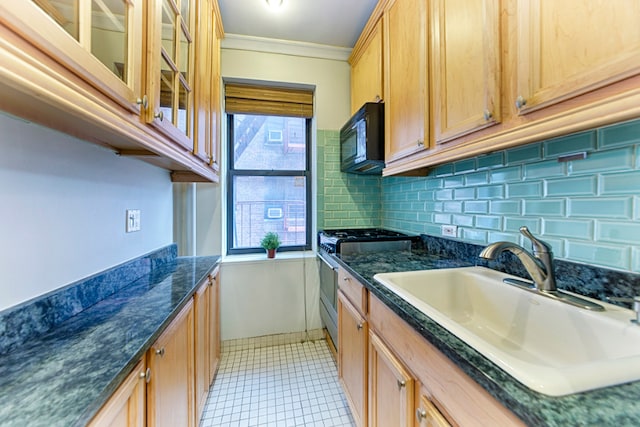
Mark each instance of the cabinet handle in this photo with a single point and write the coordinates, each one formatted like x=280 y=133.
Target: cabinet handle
x=520 y=102
x=359 y=326
x=159 y=115
x=144 y=102
x=487 y=115
x=421 y=414
x=401 y=384
x=160 y=352
x=345 y=279
x=146 y=375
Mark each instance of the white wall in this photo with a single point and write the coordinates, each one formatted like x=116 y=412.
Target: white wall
x=267 y=297
x=62 y=209
x=330 y=77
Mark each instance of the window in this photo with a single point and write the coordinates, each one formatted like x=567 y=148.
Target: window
x=269 y=178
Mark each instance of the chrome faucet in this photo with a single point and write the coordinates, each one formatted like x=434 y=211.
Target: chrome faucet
x=539 y=265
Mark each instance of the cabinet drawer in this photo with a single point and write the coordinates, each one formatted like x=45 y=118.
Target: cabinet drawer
x=353 y=290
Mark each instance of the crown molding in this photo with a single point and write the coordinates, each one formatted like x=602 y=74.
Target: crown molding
x=285 y=47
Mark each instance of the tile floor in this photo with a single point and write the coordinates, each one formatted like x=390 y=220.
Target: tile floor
x=285 y=385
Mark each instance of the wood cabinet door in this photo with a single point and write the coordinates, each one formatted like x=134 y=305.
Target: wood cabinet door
x=202 y=312
x=366 y=71
x=427 y=415
x=352 y=358
x=405 y=78
x=390 y=387
x=214 y=325
x=465 y=66
x=570 y=47
x=126 y=407
x=170 y=80
x=170 y=400
x=101 y=42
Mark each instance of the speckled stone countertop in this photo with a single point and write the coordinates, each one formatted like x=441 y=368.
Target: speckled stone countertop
x=63 y=377
x=611 y=406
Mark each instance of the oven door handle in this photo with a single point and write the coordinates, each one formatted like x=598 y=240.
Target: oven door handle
x=334 y=268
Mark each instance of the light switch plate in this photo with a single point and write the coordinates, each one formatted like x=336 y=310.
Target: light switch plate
x=133 y=220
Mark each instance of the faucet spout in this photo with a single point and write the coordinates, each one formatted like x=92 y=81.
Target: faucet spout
x=539 y=265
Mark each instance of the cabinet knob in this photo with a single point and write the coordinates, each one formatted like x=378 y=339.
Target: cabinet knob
x=359 y=326
x=487 y=115
x=146 y=375
x=144 y=102
x=401 y=384
x=421 y=414
x=159 y=115
x=420 y=143
x=520 y=102
x=160 y=352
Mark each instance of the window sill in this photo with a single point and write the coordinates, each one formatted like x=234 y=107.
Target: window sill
x=262 y=257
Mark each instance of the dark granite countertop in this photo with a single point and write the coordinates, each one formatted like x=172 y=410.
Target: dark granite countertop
x=611 y=406
x=66 y=375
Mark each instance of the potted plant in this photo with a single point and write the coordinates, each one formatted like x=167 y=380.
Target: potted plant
x=271 y=242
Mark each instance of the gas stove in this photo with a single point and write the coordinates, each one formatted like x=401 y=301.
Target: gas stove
x=331 y=241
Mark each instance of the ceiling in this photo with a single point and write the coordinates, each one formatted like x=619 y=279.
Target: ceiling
x=326 y=22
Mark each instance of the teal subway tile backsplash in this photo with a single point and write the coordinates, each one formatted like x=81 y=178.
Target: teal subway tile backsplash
x=527 y=153
x=621 y=183
x=582 y=186
x=344 y=200
x=621 y=134
x=609 y=160
x=602 y=207
x=600 y=254
x=588 y=210
x=584 y=141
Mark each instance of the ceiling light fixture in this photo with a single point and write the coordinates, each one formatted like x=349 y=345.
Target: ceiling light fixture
x=274 y=4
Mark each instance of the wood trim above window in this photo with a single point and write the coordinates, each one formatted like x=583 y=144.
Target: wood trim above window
x=269 y=100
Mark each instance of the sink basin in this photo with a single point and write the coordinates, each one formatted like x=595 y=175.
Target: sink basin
x=549 y=346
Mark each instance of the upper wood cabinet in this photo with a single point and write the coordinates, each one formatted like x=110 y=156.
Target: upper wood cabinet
x=366 y=69
x=101 y=42
x=501 y=73
x=405 y=78
x=465 y=66
x=567 y=48
x=170 y=68
x=135 y=76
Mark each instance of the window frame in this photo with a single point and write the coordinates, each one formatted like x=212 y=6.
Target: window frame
x=232 y=173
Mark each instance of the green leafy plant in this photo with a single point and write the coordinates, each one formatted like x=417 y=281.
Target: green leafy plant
x=270 y=241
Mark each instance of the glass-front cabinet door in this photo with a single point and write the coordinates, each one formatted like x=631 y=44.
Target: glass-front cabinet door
x=98 y=40
x=170 y=69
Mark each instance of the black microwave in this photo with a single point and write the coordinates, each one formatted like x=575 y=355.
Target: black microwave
x=362 y=141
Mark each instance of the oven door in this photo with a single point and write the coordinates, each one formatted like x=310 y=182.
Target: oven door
x=329 y=295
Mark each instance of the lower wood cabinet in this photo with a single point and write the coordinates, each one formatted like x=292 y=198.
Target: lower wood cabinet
x=170 y=385
x=126 y=408
x=170 y=399
x=391 y=387
x=392 y=376
x=427 y=415
x=352 y=358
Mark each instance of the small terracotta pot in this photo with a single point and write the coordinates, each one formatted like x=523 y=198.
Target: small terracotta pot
x=271 y=253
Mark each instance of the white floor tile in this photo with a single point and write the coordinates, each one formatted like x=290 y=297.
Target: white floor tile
x=283 y=385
